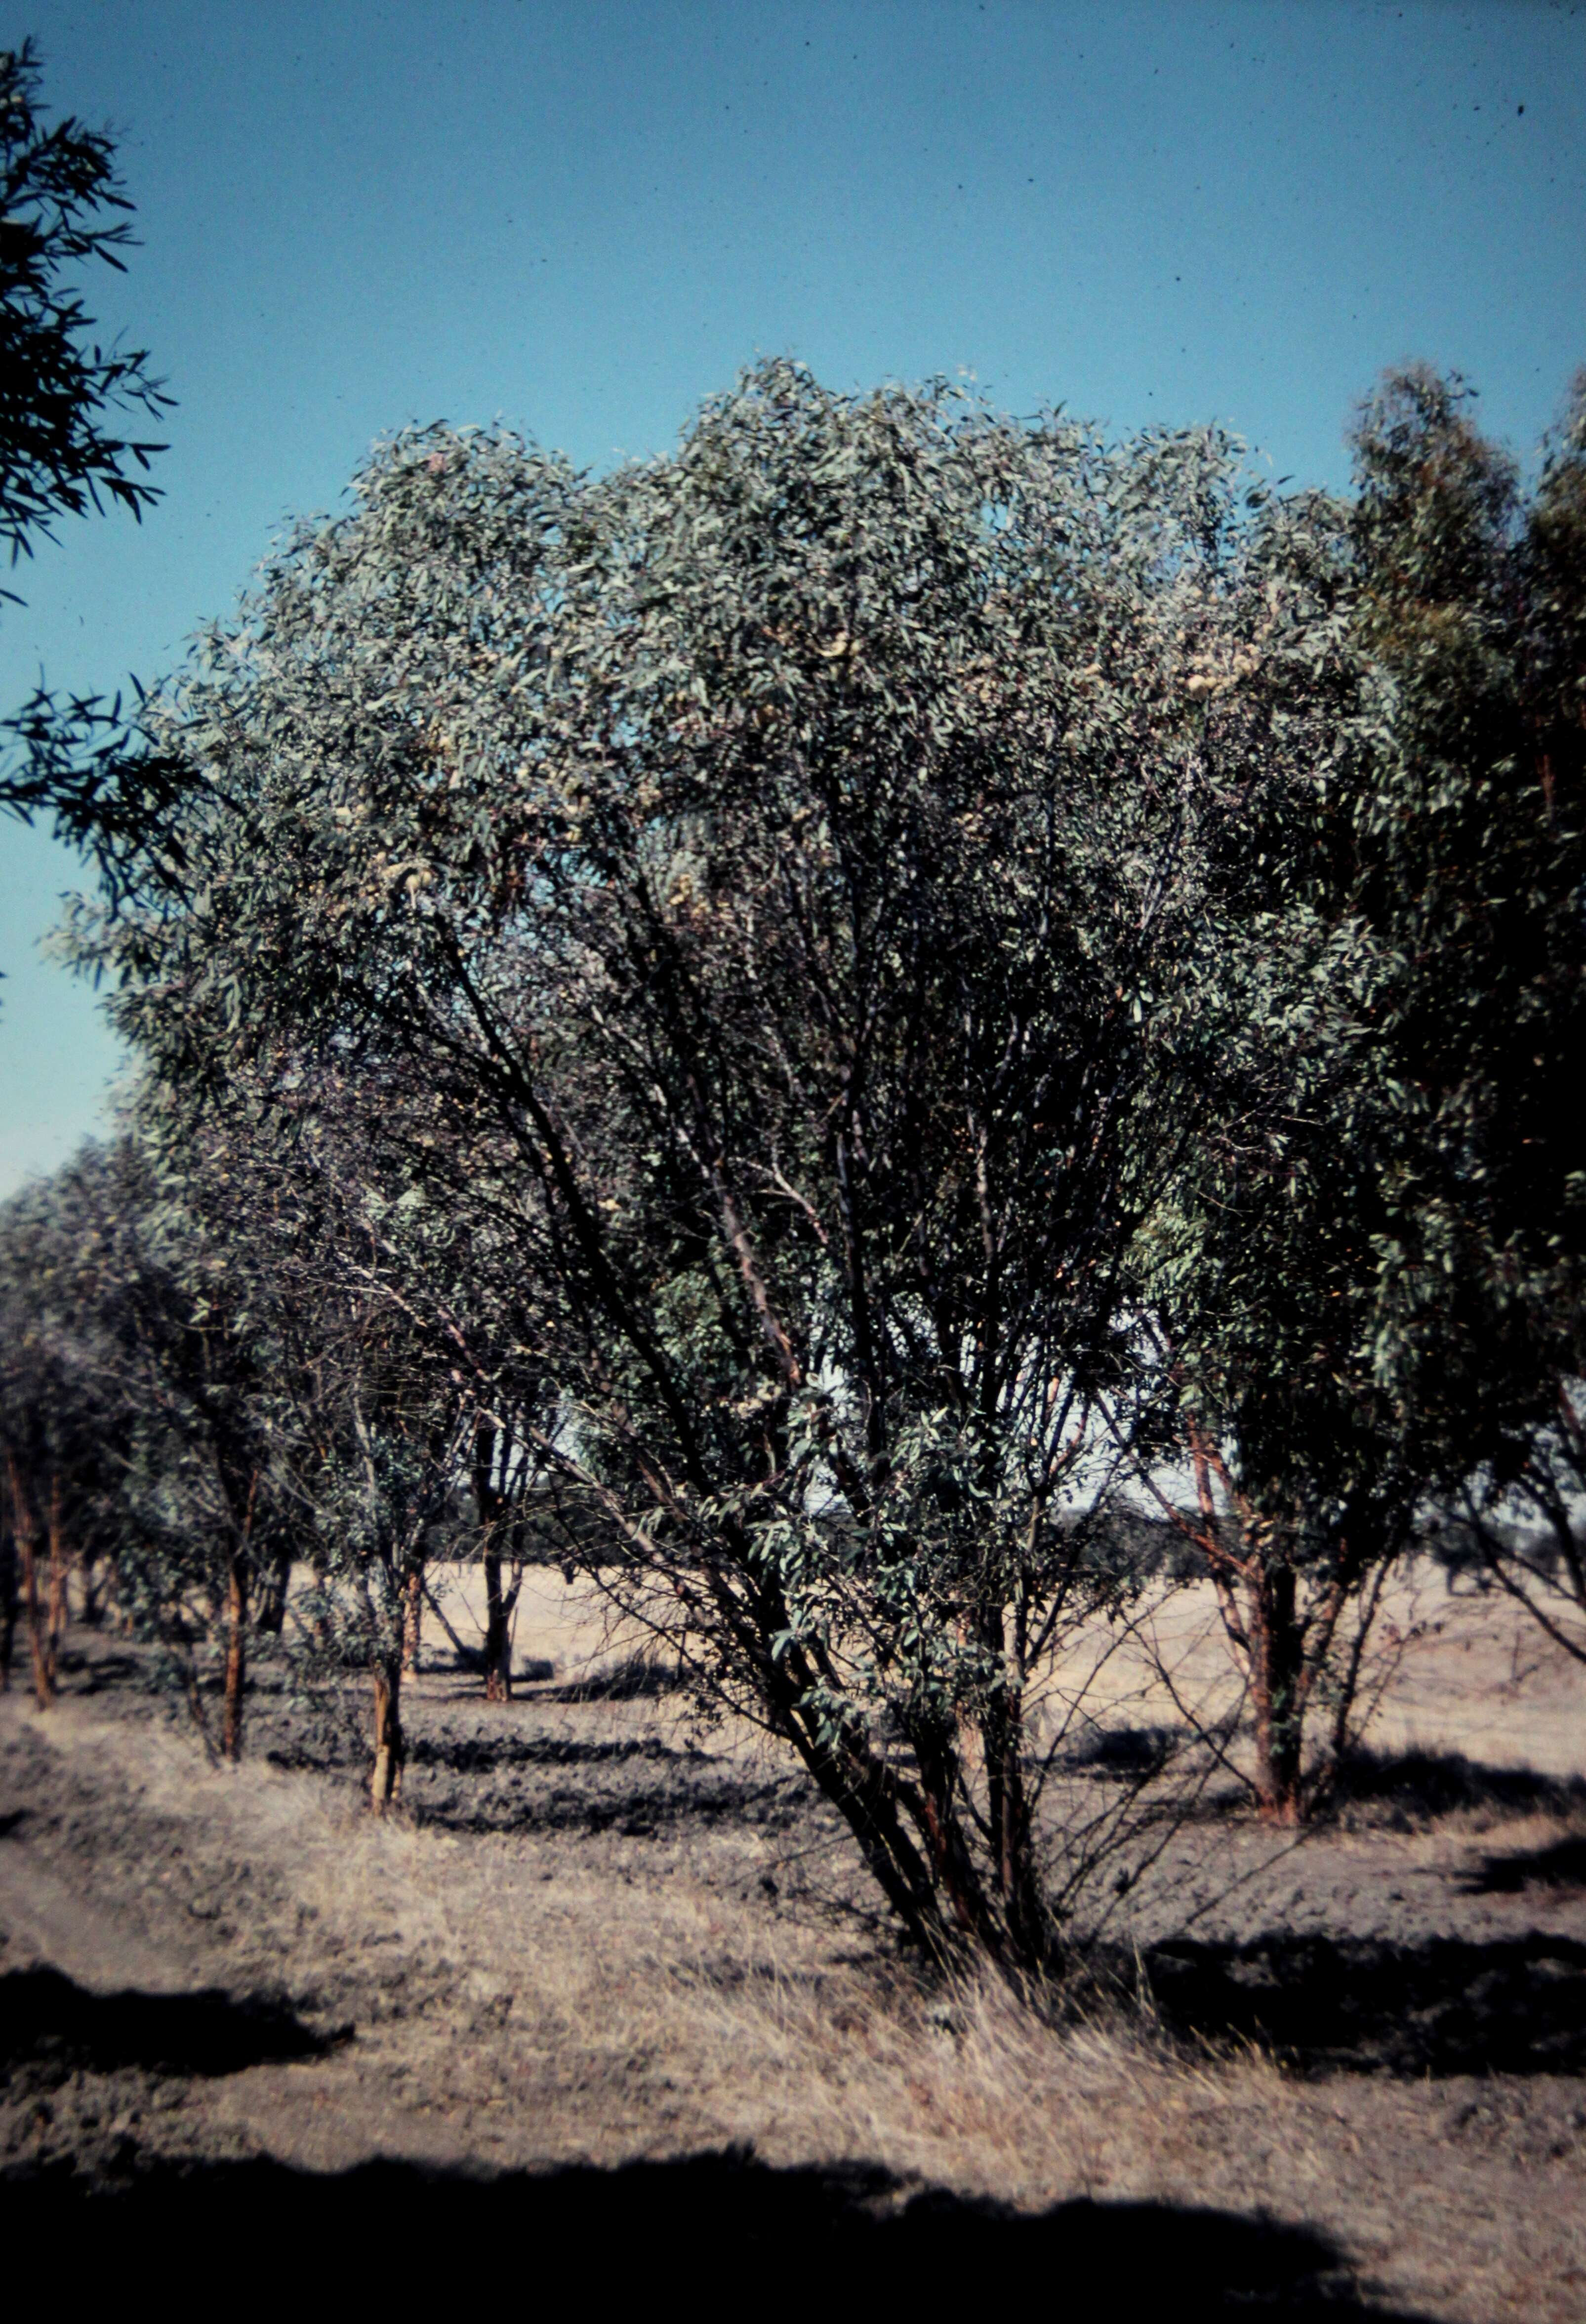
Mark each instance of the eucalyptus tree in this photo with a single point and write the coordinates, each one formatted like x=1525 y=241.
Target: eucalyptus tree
x=744 y=903
x=1511 y=569
x=142 y=1404
x=55 y=1417
x=62 y=207
x=1368 y=1273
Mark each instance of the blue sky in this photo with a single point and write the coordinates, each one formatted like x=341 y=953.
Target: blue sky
x=584 y=217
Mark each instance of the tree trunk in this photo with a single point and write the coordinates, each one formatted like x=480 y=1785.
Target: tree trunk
x=488 y=1505
x=93 y=1607
x=498 y=1640
x=236 y=1661
x=21 y=1518
x=7 y=1599
x=1276 y=1669
x=59 y=1608
x=270 y=1596
x=412 y=1617
x=385 y=1783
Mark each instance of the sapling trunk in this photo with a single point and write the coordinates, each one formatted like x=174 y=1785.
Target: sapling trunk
x=59 y=1608
x=412 y=1617
x=386 y=1782
x=498 y=1640
x=236 y=1660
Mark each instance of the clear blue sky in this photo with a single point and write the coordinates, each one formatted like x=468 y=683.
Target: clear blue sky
x=583 y=217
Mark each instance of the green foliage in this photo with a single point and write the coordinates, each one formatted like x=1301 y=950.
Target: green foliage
x=59 y=200
x=828 y=1014
x=1364 y=1270
x=61 y=206
x=739 y=900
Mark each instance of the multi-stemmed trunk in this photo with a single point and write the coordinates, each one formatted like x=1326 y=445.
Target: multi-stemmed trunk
x=1284 y=1646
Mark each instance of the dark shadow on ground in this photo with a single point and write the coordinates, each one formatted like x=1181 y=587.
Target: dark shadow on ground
x=703 y=2218
x=637 y=1678
x=1562 y=1867
x=1126 y=1752
x=499 y=1778
x=1359 y=2005
x=637 y=1811
x=1422 y=1784
x=470 y=1754
x=47 y=2022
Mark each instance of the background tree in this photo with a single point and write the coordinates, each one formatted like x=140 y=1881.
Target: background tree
x=1369 y=1268
x=143 y=1403
x=1521 y=1506
x=59 y=1406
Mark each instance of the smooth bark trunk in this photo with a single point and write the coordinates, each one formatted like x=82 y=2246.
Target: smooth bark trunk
x=59 y=1608
x=412 y=1617
x=236 y=1661
x=498 y=1638
x=385 y=1782
x=1276 y=1666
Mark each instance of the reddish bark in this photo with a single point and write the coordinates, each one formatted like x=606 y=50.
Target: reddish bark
x=412 y=1617
x=236 y=1661
x=386 y=1782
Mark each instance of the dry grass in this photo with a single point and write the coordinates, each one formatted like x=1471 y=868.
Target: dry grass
x=589 y=1944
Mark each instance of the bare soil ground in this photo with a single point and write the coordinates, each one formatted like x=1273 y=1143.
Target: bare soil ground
x=611 y=1977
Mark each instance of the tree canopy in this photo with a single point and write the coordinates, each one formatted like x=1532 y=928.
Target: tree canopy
x=870 y=1000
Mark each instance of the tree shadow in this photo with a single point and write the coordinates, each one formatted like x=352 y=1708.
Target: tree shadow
x=495 y=1753
x=1135 y=2260
x=47 y=2021
x=678 y=1801
x=638 y=1677
x=1126 y=1752
x=1328 y=2005
x=97 y=1667
x=1560 y=1867
x=1422 y=1784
